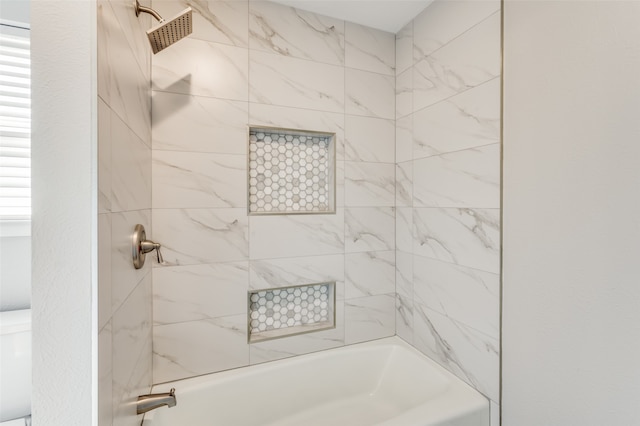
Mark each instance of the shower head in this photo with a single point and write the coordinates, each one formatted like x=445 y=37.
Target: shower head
x=167 y=32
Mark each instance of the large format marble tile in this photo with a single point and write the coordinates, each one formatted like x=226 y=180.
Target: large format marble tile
x=469 y=178
x=369 y=184
x=370 y=317
x=467 y=353
x=296 y=235
x=195 y=292
x=404 y=274
x=131 y=334
x=369 y=94
x=404 y=184
x=369 y=273
x=404 y=48
x=130 y=169
x=293 y=32
x=194 y=236
x=124 y=277
x=194 y=348
x=134 y=28
x=275 y=273
x=467 y=295
x=443 y=21
x=121 y=82
x=104 y=269
x=369 y=49
x=369 y=229
x=467 y=237
x=467 y=120
x=404 y=229
x=202 y=68
x=404 y=93
x=292 y=82
x=466 y=62
x=199 y=124
x=104 y=157
x=218 y=21
x=369 y=139
x=199 y=180
x=404 y=318
x=125 y=398
x=300 y=119
x=404 y=139
x=272 y=350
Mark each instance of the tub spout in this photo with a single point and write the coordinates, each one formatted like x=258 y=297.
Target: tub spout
x=154 y=400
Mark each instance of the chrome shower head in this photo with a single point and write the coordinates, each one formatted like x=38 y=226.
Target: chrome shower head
x=167 y=32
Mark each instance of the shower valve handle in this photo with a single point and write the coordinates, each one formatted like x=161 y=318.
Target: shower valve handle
x=141 y=246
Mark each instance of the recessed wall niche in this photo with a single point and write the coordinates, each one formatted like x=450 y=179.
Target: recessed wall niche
x=291 y=171
x=289 y=311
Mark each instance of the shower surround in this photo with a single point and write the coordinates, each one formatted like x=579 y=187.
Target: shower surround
x=413 y=246
x=448 y=189
x=262 y=64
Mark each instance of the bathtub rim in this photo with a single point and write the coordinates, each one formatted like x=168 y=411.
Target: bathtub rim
x=446 y=402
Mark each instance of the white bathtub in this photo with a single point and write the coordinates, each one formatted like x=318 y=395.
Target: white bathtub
x=384 y=382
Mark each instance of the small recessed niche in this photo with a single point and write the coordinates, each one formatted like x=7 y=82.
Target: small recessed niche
x=288 y=311
x=291 y=171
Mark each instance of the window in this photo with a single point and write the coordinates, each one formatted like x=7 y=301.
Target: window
x=15 y=124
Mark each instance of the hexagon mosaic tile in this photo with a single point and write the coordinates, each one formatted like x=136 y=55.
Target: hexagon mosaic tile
x=290 y=172
x=290 y=310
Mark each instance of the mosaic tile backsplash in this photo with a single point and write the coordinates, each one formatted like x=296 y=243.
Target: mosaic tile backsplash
x=290 y=172
x=291 y=310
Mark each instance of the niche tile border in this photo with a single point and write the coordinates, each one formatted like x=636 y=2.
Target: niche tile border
x=290 y=171
x=289 y=311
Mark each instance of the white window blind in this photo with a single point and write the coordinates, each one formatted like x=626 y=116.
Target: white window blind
x=15 y=126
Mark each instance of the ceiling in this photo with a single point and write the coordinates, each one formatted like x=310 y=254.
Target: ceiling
x=386 y=15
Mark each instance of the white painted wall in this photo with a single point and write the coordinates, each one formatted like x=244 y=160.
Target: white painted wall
x=64 y=146
x=571 y=292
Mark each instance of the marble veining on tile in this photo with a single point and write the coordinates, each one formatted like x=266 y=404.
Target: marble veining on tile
x=369 y=49
x=467 y=295
x=467 y=237
x=370 y=94
x=466 y=62
x=198 y=180
x=193 y=236
x=219 y=21
x=369 y=139
x=468 y=178
x=273 y=273
x=369 y=273
x=293 y=32
x=286 y=81
x=369 y=184
x=469 y=354
x=467 y=120
x=196 y=292
x=369 y=229
x=370 y=317
x=199 y=124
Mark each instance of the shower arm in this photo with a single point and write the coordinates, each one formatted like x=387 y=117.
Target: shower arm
x=148 y=10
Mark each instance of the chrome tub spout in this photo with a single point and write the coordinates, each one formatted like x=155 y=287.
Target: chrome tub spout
x=152 y=401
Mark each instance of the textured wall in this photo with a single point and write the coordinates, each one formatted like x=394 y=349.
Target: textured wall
x=261 y=63
x=571 y=233
x=64 y=231
x=448 y=188
x=124 y=199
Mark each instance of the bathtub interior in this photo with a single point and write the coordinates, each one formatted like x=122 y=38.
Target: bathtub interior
x=382 y=382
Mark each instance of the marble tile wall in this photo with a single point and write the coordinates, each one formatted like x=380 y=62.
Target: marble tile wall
x=447 y=189
x=124 y=199
x=262 y=64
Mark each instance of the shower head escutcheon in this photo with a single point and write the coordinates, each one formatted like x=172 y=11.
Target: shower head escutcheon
x=167 y=32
